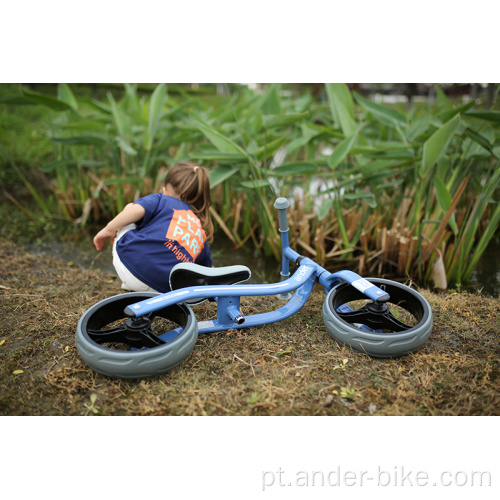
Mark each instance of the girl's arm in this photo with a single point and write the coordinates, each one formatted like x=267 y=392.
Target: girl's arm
x=131 y=213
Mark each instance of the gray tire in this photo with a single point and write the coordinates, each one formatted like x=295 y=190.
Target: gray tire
x=378 y=342
x=139 y=362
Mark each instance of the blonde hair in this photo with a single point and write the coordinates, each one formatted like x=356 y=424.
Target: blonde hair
x=192 y=184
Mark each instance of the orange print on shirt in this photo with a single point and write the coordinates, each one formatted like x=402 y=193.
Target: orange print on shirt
x=185 y=228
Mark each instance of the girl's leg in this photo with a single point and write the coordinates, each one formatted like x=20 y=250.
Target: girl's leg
x=129 y=281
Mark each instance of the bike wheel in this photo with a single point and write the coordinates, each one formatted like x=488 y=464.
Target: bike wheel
x=115 y=345
x=397 y=327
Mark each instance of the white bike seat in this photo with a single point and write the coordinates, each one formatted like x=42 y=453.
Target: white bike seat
x=185 y=274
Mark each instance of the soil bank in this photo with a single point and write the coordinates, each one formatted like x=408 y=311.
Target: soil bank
x=287 y=368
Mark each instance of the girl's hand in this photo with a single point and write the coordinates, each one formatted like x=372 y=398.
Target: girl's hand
x=131 y=213
x=101 y=236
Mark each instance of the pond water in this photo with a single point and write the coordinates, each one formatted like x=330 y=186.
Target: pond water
x=486 y=277
x=82 y=252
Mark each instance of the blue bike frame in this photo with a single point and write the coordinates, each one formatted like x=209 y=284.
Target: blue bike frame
x=228 y=296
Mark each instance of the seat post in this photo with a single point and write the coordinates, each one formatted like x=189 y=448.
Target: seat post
x=282 y=204
x=228 y=311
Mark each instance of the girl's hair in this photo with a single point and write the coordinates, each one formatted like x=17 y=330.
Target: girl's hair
x=192 y=184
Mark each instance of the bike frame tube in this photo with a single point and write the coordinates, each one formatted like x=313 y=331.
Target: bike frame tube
x=325 y=278
x=298 y=299
x=369 y=289
x=289 y=309
x=305 y=271
x=228 y=296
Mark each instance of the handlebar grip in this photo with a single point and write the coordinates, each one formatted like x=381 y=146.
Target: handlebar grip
x=282 y=204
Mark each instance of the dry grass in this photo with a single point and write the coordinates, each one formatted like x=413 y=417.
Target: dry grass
x=288 y=368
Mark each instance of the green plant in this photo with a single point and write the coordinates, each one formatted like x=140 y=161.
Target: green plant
x=347 y=393
x=91 y=408
x=431 y=159
x=412 y=192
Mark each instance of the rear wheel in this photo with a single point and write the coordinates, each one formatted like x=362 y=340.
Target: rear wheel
x=391 y=329
x=115 y=345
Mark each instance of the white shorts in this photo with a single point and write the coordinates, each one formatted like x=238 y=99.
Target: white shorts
x=129 y=281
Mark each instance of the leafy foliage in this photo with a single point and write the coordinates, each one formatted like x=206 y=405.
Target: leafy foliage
x=411 y=192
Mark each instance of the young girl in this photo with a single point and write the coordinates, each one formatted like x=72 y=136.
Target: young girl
x=153 y=234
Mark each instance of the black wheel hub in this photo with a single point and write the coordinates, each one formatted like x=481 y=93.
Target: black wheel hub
x=377 y=308
x=135 y=332
x=137 y=324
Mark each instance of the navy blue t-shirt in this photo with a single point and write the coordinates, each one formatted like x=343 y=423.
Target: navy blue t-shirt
x=168 y=234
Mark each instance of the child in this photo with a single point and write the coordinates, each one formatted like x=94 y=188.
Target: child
x=156 y=232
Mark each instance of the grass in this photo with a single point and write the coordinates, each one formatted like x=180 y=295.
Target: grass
x=22 y=138
x=288 y=368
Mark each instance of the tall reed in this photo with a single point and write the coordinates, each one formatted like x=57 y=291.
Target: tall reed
x=385 y=190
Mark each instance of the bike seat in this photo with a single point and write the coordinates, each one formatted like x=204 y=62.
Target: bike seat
x=185 y=274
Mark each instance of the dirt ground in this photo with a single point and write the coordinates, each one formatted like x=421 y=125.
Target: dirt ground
x=289 y=368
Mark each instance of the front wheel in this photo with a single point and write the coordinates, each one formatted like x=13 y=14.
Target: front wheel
x=115 y=345
x=397 y=327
